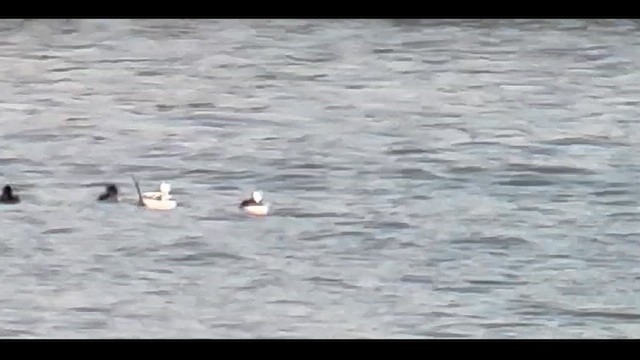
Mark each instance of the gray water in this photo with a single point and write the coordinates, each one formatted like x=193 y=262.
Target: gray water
x=428 y=179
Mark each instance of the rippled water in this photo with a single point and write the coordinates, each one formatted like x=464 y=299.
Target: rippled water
x=429 y=179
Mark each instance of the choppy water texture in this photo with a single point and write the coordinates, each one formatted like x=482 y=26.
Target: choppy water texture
x=429 y=179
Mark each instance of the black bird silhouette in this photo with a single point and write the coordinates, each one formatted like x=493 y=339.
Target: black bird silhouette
x=8 y=197
x=110 y=194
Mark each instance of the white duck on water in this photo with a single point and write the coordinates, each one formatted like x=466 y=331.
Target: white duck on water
x=255 y=205
x=156 y=201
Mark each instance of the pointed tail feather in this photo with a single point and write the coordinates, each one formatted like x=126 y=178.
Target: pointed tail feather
x=140 y=202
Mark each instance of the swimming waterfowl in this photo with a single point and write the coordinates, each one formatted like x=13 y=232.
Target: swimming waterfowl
x=110 y=194
x=8 y=197
x=255 y=205
x=162 y=202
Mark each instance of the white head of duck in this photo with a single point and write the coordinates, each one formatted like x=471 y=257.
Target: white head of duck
x=255 y=205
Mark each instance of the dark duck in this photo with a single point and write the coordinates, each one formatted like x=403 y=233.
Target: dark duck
x=110 y=194
x=8 y=197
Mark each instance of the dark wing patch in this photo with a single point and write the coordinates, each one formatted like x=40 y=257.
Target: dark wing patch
x=248 y=202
